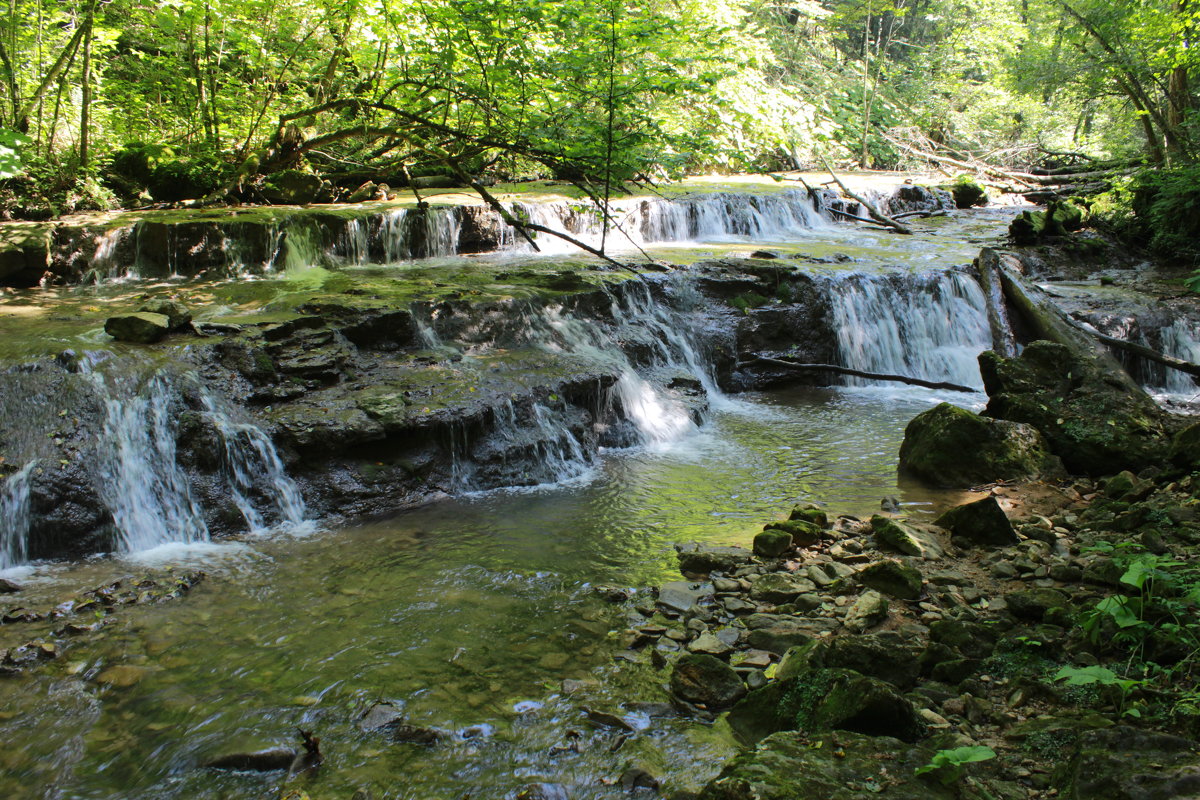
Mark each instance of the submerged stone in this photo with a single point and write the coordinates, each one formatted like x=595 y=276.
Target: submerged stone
x=952 y=447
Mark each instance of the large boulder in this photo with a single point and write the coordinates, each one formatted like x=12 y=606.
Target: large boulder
x=893 y=578
x=706 y=680
x=1096 y=421
x=901 y=537
x=1124 y=763
x=140 y=327
x=955 y=448
x=820 y=699
x=981 y=523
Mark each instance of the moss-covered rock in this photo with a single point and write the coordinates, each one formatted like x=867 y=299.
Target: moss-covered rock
x=701 y=559
x=787 y=766
x=982 y=523
x=140 y=327
x=1034 y=604
x=706 y=680
x=955 y=448
x=893 y=578
x=780 y=587
x=293 y=187
x=967 y=192
x=177 y=313
x=823 y=699
x=868 y=610
x=900 y=537
x=1097 y=423
x=772 y=543
x=1122 y=762
x=803 y=534
x=810 y=513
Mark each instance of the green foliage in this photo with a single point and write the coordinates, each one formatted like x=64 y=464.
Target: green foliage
x=749 y=300
x=1159 y=210
x=11 y=145
x=1102 y=676
x=948 y=765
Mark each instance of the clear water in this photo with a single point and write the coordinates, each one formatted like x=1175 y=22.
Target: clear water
x=461 y=612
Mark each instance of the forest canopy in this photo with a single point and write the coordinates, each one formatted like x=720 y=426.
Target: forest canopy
x=124 y=101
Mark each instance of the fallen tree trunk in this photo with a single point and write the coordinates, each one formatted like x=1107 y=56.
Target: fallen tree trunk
x=858 y=373
x=856 y=218
x=875 y=213
x=1140 y=350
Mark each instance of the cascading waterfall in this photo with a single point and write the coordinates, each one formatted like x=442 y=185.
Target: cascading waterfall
x=930 y=326
x=14 y=516
x=149 y=494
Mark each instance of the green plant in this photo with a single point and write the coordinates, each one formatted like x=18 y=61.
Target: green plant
x=11 y=143
x=948 y=765
x=1102 y=676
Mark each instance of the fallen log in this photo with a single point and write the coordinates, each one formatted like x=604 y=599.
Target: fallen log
x=856 y=218
x=875 y=213
x=858 y=373
x=1139 y=350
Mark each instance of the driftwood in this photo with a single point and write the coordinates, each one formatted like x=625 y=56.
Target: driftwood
x=858 y=373
x=1140 y=350
x=864 y=220
x=875 y=213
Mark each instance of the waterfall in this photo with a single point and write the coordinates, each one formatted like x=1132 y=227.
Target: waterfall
x=140 y=480
x=14 y=516
x=149 y=494
x=1179 y=339
x=931 y=326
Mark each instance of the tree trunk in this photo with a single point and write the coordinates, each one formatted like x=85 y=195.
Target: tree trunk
x=85 y=103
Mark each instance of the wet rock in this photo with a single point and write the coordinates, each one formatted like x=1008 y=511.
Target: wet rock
x=701 y=559
x=1033 y=604
x=709 y=644
x=415 y=734
x=542 y=791
x=140 y=327
x=972 y=639
x=893 y=578
x=608 y=720
x=707 y=681
x=772 y=543
x=1124 y=763
x=1097 y=422
x=679 y=596
x=981 y=523
x=8 y=587
x=810 y=513
x=803 y=534
x=636 y=778
x=955 y=448
x=780 y=587
x=277 y=758
x=177 y=313
x=379 y=716
x=902 y=538
x=868 y=610
x=822 y=699
x=786 y=766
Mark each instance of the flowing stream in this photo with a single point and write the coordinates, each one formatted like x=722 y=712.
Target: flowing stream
x=479 y=615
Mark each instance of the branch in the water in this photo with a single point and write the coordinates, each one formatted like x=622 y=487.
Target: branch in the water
x=863 y=220
x=875 y=213
x=877 y=376
x=1140 y=350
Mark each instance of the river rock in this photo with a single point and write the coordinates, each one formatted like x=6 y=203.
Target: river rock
x=786 y=766
x=971 y=639
x=1098 y=422
x=951 y=447
x=8 y=587
x=708 y=644
x=893 y=578
x=1033 y=604
x=681 y=595
x=810 y=513
x=780 y=587
x=869 y=609
x=902 y=538
x=804 y=534
x=981 y=523
x=1125 y=763
x=379 y=716
x=706 y=680
x=777 y=633
x=823 y=699
x=177 y=313
x=701 y=559
x=772 y=543
x=140 y=327
x=276 y=758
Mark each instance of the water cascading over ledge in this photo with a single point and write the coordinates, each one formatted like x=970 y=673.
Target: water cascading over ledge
x=228 y=243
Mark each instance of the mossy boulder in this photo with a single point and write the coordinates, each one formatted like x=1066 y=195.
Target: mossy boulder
x=899 y=537
x=1185 y=447
x=140 y=327
x=821 y=699
x=887 y=655
x=787 y=766
x=893 y=578
x=772 y=543
x=810 y=513
x=293 y=187
x=1096 y=421
x=955 y=448
x=967 y=192
x=1060 y=218
x=804 y=534
x=1123 y=762
x=706 y=680
x=981 y=523
x=701 y=559
x=1033 y=604
x=177 y=313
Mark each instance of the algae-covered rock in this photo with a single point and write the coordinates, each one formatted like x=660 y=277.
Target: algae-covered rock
x=823 y=699
x=1125 y=763
x=293 y=187
x=706 y=680
x=177 y=313
x=981 y=523
x=902 y=538
x=1097 y=422
x=700 y=559
x=772 y=543
x=140 y=327
x=788 y=766
x=780 y=587
x=1032 y=604
x=967 y=192
x=810 y=513
x=955 y=448
x=803 y=534
x=893 y=578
